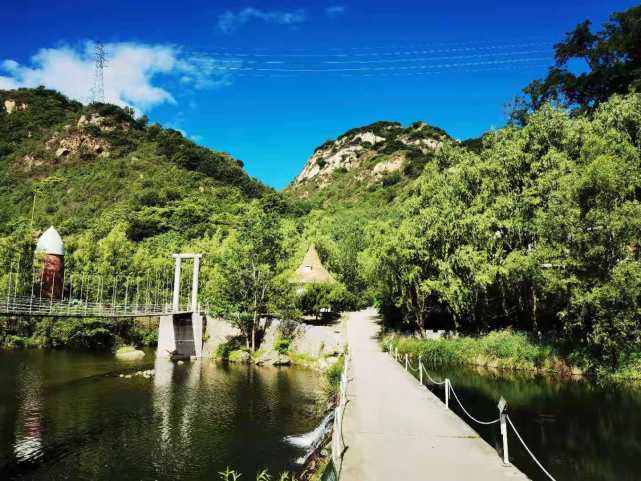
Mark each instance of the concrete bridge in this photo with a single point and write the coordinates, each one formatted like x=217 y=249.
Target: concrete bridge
x=396 y=429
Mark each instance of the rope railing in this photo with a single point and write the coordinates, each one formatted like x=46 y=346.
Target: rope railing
x=528 y=449
x=503 y=419
x=485 y=423
x=430 y=378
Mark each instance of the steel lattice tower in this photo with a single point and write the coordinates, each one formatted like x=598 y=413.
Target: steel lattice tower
x=99 y=79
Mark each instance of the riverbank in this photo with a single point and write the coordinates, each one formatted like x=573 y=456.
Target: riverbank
x=281 y=343
x=76 y=333
x=511 y=351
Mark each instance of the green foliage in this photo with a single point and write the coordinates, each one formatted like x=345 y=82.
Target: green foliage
x=503 y=349
x=263 y=475
x=332 y=380
x=281 y=345
x=539 y=232
x=316 y=297
x=391 y=179
x=246 y=285
x=612 y=59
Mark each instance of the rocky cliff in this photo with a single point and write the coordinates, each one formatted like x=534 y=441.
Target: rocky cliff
x=380 y=154
x=384 y=146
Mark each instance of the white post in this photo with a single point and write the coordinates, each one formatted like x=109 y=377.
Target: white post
x=194 y=284
x=176 y=300
x=506 y=456
x=447 y=393
x=420 y=369
x=503 y=417
x=406 y=361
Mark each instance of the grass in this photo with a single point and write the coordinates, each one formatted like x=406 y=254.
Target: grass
x=514 y=351
x=332 y=381
x=504 y=349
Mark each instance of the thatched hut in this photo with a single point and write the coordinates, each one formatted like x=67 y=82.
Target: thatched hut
x=311 y=270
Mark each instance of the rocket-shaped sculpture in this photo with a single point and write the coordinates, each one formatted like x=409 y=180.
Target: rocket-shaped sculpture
x=52 y=273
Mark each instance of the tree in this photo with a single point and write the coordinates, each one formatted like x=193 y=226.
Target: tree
x=317 y=297
x=612 y=59
x=247 y=286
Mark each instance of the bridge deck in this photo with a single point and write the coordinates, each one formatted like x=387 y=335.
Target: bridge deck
x=395 y=429
x=23 y=306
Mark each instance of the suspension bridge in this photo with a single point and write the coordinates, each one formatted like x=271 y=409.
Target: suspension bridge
x=155 y=292
x=38 y=285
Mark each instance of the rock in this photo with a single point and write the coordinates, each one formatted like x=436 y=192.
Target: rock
x=122 y=375
x=78 y=143
x=129 y=354
x=180 y=363
x=95 y=119
x=10 y=106
x=273 y=358
x=218 y=331
x=240 y=356
x=385 y=167
x=282 y=360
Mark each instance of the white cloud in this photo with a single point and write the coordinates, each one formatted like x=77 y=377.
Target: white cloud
x=335 y=10
x=132 y=76
x=230 y=21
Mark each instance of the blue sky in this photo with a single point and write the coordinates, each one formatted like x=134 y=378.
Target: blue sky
x=269 y=81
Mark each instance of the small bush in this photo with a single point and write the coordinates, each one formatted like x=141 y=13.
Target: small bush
x=391 y=179
x=281 y=345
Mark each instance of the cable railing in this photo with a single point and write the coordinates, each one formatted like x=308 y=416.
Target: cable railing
x=34 y=306
x=503 y=420
x=338 y=443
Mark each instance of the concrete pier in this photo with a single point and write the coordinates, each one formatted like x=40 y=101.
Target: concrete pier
x=396 y=429
x=180 y=335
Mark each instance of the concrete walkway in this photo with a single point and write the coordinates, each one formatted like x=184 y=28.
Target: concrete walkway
x=396 y=430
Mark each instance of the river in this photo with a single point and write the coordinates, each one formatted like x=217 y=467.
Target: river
x=70 y=416
x=579 y=430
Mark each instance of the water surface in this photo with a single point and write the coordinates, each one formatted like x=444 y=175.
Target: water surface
x=579 y=430
x=70 y=416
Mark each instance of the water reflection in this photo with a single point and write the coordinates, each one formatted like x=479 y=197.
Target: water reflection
x=71 y=416
x=164 y=369
x=29 y=426
x=579 y=430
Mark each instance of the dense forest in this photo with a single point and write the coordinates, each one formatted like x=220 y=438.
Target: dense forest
x=534 y=227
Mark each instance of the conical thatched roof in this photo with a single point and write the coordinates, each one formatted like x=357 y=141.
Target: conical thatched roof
x=311 y=270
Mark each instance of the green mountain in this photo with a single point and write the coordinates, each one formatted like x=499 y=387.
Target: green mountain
x=90 y=168
x=367 y=164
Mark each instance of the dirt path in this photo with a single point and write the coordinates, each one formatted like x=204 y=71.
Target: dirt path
x=396 y=430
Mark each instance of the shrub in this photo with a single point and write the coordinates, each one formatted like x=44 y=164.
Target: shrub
x=281 y=345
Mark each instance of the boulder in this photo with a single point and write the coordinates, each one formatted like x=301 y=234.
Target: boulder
x=240 y=356
x=10 y=106
x=128 y=353
x=62 y=152
x=273 y=358
x=282 y=360
x=217 y=332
